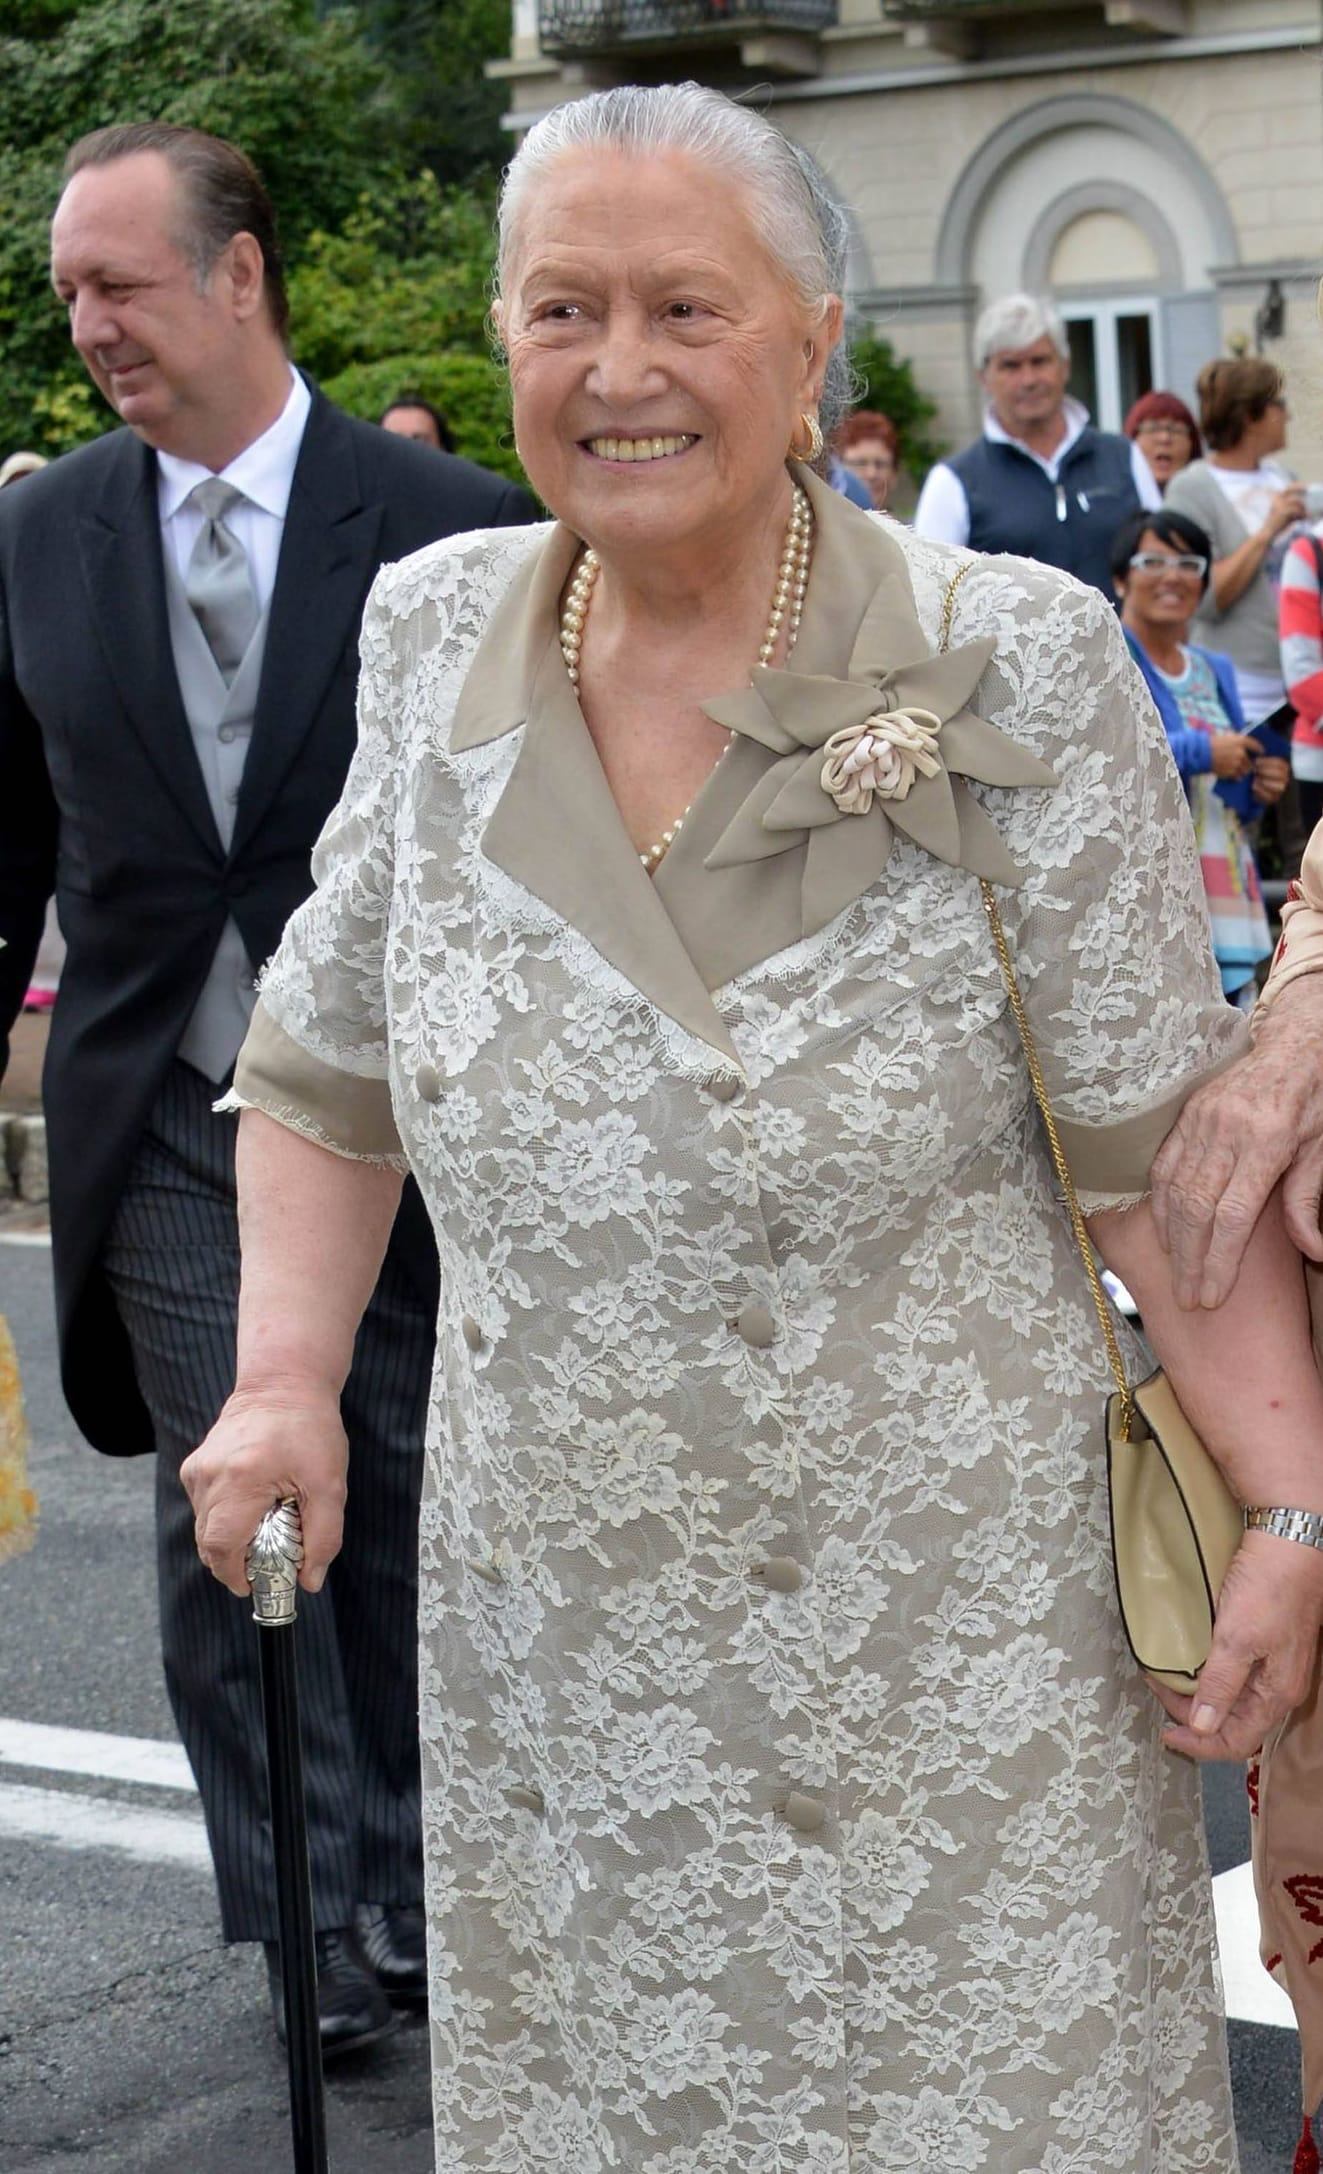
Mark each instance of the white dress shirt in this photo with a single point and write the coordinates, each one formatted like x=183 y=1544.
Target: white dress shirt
x=264 y=472
x=942 y=513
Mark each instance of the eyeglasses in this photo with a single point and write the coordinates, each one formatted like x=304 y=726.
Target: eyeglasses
x=1162 y=430
x=1168 y=562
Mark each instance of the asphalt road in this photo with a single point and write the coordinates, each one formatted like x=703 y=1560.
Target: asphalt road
x=132 y=2041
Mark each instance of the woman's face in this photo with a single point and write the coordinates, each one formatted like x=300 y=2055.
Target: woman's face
x=1266 y=434
x=871 y=460
x=1166 y=446
x=659 y=360
x=1162 y=594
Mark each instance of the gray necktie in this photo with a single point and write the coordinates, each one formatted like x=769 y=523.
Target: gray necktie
x=219 y=581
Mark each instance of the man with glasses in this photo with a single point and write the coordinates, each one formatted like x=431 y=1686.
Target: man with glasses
x=1041 y=481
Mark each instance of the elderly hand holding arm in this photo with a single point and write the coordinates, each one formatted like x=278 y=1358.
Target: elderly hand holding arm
x=313 y=1229
x=1256 y=1400
x=1261 y=1120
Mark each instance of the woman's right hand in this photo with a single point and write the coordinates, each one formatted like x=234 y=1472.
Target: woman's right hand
x=1233 y=754
x=1288 y=505
x=266 y=1445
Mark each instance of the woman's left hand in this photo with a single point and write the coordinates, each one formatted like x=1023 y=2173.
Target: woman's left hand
x=1271 y=777
x=1265 y=1649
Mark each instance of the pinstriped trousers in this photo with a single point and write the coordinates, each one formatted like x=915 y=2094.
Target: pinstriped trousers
x=172 y=1259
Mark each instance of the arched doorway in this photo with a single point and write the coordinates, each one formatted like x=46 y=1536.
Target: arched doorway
x=1107 y=206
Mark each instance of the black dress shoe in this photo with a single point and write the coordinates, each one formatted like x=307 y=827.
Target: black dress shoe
x=393 y=1937
x=352 y=2009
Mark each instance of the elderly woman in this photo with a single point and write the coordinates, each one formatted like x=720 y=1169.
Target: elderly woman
x=1247 y=504
x=791 y=1800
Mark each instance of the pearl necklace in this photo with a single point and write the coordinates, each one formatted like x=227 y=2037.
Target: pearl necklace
x=787 y=611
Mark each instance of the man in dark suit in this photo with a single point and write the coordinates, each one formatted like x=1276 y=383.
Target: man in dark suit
x=179 y=612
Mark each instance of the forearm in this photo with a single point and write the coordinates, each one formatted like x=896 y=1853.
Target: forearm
x=313 y=1230
x=1233 y=574
x=1244 y=1372
x=1299 y=954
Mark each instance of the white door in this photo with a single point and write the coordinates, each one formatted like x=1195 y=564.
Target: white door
x=1116 y=354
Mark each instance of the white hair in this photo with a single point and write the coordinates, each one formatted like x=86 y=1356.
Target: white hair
x=1017 y=320
x=802 y=225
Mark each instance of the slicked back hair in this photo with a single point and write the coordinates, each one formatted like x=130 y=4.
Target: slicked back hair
x=793 y=208
x=220 y=195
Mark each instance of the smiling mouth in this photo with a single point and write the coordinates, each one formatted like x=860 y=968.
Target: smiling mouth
x=634 y=449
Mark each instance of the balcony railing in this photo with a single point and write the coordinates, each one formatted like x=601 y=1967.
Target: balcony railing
x=580 y=27
x=931 y=11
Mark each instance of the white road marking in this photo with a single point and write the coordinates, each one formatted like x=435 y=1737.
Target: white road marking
x=142 y=1759
x=25 y=1238
x=77 y=1822
x=1251 y=1996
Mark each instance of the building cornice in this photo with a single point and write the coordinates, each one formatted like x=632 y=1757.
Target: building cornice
x=937 y=75
x=1145 y=52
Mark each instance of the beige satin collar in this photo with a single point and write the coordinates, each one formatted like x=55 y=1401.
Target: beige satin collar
x=765 y=857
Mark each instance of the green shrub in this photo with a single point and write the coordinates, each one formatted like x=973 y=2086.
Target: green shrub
x=890 y=386
x=471 y=391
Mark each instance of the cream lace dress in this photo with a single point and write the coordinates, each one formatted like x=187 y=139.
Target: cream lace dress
x=792 y=1803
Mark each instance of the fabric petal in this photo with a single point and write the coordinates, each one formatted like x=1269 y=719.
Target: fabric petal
x=841 y=864
x=977 y=846
x=745 y=711
x=970 y=745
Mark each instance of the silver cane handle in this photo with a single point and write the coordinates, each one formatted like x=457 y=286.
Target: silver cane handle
x=273 y=1560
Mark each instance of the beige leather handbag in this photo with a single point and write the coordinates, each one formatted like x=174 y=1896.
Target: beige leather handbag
x=1175 y=1522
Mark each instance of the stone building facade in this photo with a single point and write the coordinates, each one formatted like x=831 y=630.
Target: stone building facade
x=1157 y=165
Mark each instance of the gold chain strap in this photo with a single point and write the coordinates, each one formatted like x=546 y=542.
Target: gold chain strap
x=1039 y=1084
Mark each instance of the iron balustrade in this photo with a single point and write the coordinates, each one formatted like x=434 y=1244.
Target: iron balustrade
x=605 y=26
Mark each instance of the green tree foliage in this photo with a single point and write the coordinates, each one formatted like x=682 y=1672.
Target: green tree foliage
x=448 y=115
x=890 y=386
x=302 y=94
x=397 y=301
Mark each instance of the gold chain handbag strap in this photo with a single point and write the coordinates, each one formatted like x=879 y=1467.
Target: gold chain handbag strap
x=1039 y=1084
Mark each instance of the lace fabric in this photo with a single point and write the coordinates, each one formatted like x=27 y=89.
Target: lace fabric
x=825 y=1312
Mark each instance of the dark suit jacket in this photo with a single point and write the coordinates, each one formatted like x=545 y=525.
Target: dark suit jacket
x=102 y=799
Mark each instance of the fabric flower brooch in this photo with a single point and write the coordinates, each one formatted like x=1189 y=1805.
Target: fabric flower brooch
x=859 y=759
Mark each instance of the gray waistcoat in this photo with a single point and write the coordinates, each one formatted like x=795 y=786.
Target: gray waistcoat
x=221 y=721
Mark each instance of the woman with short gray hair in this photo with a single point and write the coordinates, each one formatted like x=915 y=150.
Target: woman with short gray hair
x=791 y=1801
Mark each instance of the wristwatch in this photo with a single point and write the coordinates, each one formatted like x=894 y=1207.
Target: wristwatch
x=1303 y=1525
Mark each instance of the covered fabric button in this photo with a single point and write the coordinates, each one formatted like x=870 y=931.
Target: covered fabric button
x=803 y=1813
x=527 y=1799
x=723 y=1086
x=427 y=1081
x=780 y=1574
x=756 y=1325
x=472 y=1332
x=483 y=1567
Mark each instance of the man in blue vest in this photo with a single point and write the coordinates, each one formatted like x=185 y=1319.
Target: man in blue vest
x=1041 y=482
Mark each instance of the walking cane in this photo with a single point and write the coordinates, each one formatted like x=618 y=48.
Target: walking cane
x=272 y=1564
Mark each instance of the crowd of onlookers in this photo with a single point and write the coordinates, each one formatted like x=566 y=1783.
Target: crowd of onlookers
x=1208 y=546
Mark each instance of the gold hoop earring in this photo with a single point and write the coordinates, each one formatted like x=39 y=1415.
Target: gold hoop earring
x=816 y=442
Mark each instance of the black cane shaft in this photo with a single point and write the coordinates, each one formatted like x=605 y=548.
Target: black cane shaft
x=289 y=1835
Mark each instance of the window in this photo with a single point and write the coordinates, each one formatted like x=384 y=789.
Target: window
x=1115 y=354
